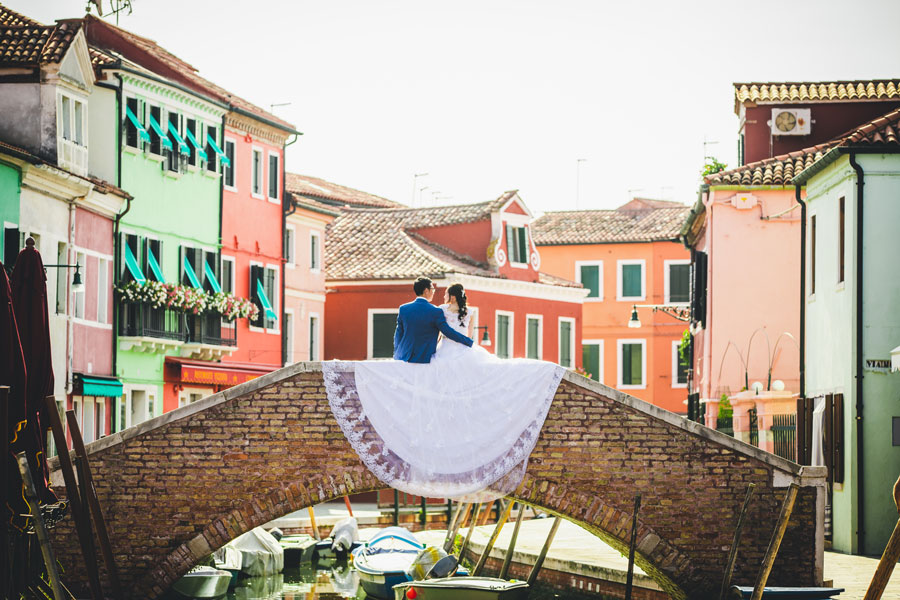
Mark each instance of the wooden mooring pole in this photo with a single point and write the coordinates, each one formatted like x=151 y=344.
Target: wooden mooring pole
x=504 y=570
x=540 y=559
x=735 y=542
x=93 y=502
x=452 y=527
x=39 y=528
x=472 y=525
x=772 y=551
x=4 y=486
x=493 y=540
x=629 y=579
x=888 y=559
x=79 y=512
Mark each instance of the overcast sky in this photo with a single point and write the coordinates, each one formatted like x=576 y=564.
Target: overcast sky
x=491 y=95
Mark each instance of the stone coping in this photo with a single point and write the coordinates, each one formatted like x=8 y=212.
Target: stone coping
x=786 y=471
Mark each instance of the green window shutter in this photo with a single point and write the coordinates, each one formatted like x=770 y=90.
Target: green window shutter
x=511 y=243
x=681 y=373
x=523 y=244
x=534 y=332
x=383 y=327
x=255 y=276
x=631 y=281
x=503 y=336
x=679 y=283
x=631 y=364
x=565 y=344
x=590 y=360
x=590 y=279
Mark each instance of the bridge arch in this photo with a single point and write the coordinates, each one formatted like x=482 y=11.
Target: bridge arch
x=177 y=487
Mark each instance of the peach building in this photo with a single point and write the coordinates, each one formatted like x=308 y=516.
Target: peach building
x=626 y=257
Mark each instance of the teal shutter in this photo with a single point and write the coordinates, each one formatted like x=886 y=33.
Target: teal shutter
x=679 y=283
x=383 y=327
x=534 y=332
x=503 y=336
x=511 y=243
x=631 y=281
x=523 y=244
x=590 y=360
x=590 y=279
x=565 y=344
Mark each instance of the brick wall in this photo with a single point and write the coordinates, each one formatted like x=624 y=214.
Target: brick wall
x=177 y=487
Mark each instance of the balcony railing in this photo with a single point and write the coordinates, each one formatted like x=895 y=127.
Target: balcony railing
x=207 y=329
x=139 y=320
x=72 y=156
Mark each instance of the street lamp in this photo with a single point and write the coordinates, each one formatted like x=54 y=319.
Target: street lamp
x=77 y=283
x=486 y=338
x=682 y=313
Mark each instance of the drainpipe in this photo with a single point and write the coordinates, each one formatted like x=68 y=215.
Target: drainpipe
x=284 y=216
x=802 y=204
x=69 y=324
x=116 y=241
x=860 y=481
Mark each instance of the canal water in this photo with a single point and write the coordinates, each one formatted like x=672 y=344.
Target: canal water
x=331 y=582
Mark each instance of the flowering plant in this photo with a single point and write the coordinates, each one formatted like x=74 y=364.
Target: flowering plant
x=232 y=307
x=187 y=299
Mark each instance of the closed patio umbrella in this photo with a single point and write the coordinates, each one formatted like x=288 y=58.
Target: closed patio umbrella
x=29 y=298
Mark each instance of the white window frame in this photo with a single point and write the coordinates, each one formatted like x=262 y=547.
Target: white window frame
x=150 y=392
x=599 y=343
x=370 y=329
x=540 y=341
x=103 y=290
x=509 y=252
x=291 y=261
x=317 y=259
x=512 y=331
x=676 y=344
x=591 y=263
x=233 y=261
x=289 y=336
x=226 y=140
x=619 y=265
x=666 y=275
x=317 y=343
x=572 y=344
x=184 y=395
x=81 y=260
x=254 y=263
x=277 y=198
x=276 y=304
x=619 y=344
x=60 y=94
x=262 y=172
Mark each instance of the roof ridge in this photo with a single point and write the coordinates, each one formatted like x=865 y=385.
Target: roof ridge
x=4 y=8
x=456 y=255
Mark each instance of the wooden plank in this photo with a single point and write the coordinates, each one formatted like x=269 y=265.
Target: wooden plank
x=462 y=550
x=493 y=539
x=39 y=528
x=93 y=502
x=629 y=579
x=540 y=559
x=79 y=512
x=4 y=486
x=460 y=519
x=888 y=559
x=735 y=542
x=504 y=570
x=452 y=526
x=772 y=551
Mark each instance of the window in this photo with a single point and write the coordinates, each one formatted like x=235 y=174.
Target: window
x=155 y=139
x=812 y=255
x=504 y=334
x=841 y=240
x=314 y=337
x=698 y=287
x=211 y=272
x=288 y=339
x=227 y=274
x=592 y=359
x=229 y=168
x=190 y=395
x=102 y=290
x=567 y=342
x=10 y=247
x=153 y=260
x=273 y=177
x=88 y=423
x=315 y=251
x=173 y=130
x=678 y=281
x=131 y=131
x=71 y=120
x=590 y=275
x=533 y=346
x=630 y=280
x=191 y=267
x=289 y=235
x=130 y=242
x=517 y=243
x=79 y=294
x=256 y=174
x=632 y=361
x=211 y=155
x=66 y=118
x=62 y=281
x=264 y=293
x=679 y=367
x=382 y=325
x=190 y=126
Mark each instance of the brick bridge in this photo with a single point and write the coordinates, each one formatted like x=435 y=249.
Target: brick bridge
x=179 y=486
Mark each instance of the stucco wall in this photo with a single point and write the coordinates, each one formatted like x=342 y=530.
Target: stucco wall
x=831 y=339
x=103 y=134
x=21 y=125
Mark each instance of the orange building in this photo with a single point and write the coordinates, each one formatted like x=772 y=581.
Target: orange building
x=626 y=257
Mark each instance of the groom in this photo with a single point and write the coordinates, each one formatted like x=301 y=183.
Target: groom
x=418 y=325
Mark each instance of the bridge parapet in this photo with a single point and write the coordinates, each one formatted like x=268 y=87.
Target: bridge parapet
x=181 y=485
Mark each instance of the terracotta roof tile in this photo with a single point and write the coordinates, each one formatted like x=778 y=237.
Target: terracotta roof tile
x=10 y=18
x=824 y=91
x=332 y=193
x=372 y=243
x=609 y=226
x=24 y=41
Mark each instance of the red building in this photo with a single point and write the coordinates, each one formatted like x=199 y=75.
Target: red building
x=373 y=256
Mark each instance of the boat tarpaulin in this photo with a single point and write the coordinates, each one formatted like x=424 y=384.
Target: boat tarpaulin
x=261 y=554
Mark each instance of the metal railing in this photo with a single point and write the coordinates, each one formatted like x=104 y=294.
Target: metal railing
x=725 y=425
x=754 y=427
x=140 y=320
x=207 y=329
x=784 y=436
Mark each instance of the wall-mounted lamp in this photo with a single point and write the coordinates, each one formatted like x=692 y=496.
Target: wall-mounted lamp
x=486 y=338
x=77 y=283
x=682 y=313
x=635 y=322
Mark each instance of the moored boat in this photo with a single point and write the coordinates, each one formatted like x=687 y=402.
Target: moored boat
x=462 y=588
x=786 y=593
x=203 y=582
x=297 y=549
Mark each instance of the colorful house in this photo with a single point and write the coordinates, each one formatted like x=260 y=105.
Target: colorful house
x=626 y=257
x=48 y=193
x=313 y=204
x=851 y=292
x=373 y=256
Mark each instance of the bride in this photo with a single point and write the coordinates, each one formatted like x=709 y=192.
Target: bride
x=459 y=426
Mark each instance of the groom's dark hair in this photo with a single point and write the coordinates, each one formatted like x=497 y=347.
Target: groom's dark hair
x=421 y=284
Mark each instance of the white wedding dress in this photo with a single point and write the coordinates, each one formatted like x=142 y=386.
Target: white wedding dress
x=461 y=426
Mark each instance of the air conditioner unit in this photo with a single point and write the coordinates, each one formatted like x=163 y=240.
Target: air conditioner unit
x=791 y=121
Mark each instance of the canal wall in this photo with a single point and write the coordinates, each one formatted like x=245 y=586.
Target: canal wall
x=179 y=486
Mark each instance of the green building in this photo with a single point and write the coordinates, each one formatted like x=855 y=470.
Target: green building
x=851 y=299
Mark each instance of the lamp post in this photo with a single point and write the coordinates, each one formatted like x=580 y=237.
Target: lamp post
x=681 y=313
x=486 y=338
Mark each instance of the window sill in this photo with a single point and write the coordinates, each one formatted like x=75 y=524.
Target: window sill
x=131 y=150
x=274 y=200
x=594 y=299
x=257 y=196
x=315 y=270
x=630 y=298
x=172 y=174
x=211 y=174
x=679 y=386
x=840 y=287
x=192 y=168
x=811 y=298
x=230 y=189
x=289 y=265
x=518 y=265
x=154 y=157
x=632 y=387
x=680 y=304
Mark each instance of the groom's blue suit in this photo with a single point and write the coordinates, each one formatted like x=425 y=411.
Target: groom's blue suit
x=418 y=325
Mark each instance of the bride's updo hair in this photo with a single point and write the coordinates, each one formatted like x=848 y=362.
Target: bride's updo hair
x=457 y=291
